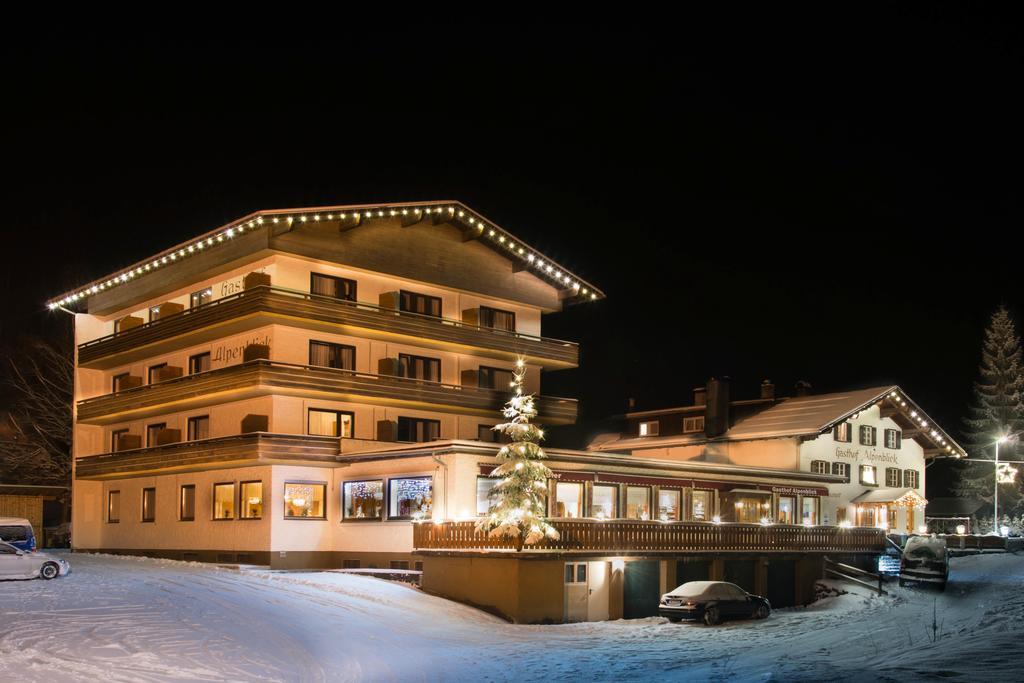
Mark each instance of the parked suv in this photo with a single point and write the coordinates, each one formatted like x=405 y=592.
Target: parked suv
x=925 y=560
x=18 y=532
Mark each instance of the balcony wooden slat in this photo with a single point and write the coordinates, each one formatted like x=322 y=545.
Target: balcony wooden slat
x=358 y=317
x=634 y=536
x=250 y=449
x=268 y=377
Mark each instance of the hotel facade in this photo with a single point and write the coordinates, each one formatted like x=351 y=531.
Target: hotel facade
x=316 y=388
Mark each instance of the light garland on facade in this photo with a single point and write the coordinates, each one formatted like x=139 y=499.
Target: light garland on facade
x=899 y=400
x=533 y=260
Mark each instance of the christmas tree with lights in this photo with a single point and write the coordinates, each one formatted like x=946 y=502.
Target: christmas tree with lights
x=519 y=498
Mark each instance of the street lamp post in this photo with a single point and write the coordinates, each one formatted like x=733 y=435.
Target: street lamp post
x=995 y=485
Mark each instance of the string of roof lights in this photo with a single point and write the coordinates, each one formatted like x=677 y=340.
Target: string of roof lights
x=540 y=265
x=919 y=420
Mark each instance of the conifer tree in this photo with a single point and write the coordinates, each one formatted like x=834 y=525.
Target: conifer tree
x=997 y=409
x=519 y=498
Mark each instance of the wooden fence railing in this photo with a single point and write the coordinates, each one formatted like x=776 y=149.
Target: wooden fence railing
x=641 y=536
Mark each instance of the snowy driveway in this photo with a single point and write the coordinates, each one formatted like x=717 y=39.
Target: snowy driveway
x=138 y=619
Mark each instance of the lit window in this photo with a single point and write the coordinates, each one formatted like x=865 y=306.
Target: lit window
x=334 y=287
x=809 y=510
x=649 y=428
x=363 y=499
x=604 y=501
x=867 y=475
x=250 y=500
x=305 y=500
x=638 y=502
x=328 y=355
x=842 y=433
x=224 y=501
x=669 y=504
x=700 y=505
x=568 y=499
x=203 y=296
x=330 y=423
x=410 y=498
x=693 y=424
x=483 y=494
x=787 y=510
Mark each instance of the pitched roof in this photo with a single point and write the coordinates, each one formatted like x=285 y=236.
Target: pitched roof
x=807 y=416
x=453 y=212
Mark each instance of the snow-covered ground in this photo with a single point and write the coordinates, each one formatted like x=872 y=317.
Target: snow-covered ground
x=137 y=619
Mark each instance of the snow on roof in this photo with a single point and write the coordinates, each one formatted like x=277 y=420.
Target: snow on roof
x=805 y=415
x=907 y=496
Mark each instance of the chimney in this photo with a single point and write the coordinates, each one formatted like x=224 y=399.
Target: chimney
x=767 y=389
x=630 y=404
x=803 y=388
x=716 y=417
x=700 y=396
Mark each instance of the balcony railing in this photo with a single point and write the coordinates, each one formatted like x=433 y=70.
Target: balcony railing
x=359 y=318
x=258 y=448
x=629 y=536
x=263 y=377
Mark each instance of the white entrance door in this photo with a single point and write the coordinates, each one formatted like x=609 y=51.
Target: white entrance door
x=576 y=591
x=599 y=574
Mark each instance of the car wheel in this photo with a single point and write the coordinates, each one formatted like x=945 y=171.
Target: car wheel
x=762 y=612
x=711 y=616
x=49 y=571
x=675 y=620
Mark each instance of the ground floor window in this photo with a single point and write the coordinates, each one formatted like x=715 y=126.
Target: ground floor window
x=603 y=501
x=568 y=499
x=748 y=507
x=483 y=494
x=669 y=504
x=410 y=498
x=700 y=505
x=187 y=503
x=149 y=505
x=224 y=501
x=809 y=512
x=575 y=572
x=868 y=475
x=114 y=507
x=305 y=500
x=363 y=499
x=638 y=502
x=787 y=510
x=250 y=500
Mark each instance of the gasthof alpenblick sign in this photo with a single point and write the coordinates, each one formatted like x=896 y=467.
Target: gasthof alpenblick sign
x=867 y=455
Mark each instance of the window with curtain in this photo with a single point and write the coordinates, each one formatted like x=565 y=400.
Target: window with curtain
x=423 y=304
x=421 y=367
x=328 y=355
x=483 y=494
x=638 y=502
x=250 y=498
x=495 y=378
x=334 y=287
x=669 y=504
x=149 y=505
x=568 y=499
x=154 y=372
x=151 y=433
x=497 y=319
x=418 y=429
x=809 y=510
x=700 y=505
x=199 y=363
x=305 y=500
x=330 y=423
x=842 y=433
x=187 y=503
x=224 y=501
x=199 y=427
x=114 y=507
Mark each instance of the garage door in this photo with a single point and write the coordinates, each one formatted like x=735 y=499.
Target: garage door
x=641 y=591
x=699 y=570
x=740 y=572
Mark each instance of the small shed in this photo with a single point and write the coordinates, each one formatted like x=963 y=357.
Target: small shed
x=30 y=502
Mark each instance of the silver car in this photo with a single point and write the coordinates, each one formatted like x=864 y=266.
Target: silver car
x=18 y=564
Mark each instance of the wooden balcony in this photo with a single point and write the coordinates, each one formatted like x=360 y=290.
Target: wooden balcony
x=260 y=448
x=631 y=537
x=266 y=305
x=263 y=377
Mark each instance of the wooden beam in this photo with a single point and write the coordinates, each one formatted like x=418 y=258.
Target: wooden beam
x=888 y=411
x=469 y=233
x=518 y=265
x=411 y=218
x=439 y=218
x=350 y=221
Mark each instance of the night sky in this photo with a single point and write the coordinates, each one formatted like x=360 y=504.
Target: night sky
x=822 y=197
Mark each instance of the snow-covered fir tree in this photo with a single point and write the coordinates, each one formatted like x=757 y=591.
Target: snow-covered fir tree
x=518 y=500
x=997 y=409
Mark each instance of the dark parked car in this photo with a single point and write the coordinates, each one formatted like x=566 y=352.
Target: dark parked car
x=712 y=601
x=925 y=561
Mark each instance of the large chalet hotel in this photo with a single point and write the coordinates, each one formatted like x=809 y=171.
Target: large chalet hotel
x=317 y=388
